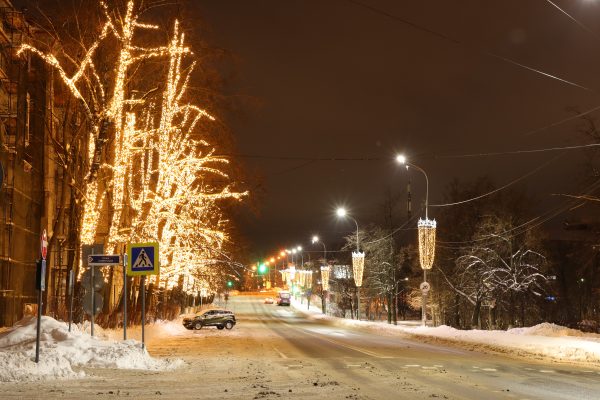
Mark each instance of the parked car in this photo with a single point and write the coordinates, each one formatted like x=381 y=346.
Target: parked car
x=269 y=300
x=216 y=317
x=283 y=299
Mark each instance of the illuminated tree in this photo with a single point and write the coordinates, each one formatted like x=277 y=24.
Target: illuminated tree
x=150 y=178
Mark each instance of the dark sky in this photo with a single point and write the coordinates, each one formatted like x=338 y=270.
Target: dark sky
x=337 y=80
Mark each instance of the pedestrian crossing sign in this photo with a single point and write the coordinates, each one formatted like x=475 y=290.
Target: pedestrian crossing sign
x=142 y=259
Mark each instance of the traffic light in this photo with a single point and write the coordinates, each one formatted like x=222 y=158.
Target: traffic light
x=262 y=269
x=229 y=284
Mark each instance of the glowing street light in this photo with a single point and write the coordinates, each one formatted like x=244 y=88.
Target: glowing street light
x=426 y=236
x=358 y=259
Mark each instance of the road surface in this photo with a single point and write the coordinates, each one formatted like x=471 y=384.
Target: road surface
x=276 y=352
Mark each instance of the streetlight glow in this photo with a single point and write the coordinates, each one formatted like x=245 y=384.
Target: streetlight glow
x=315 y=239
x=299 y=248
x=341 y=212
x=401 y=158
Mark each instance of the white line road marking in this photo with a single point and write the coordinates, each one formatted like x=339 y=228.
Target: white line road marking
x=412 y=365
x=280 y=353
x=367 y=352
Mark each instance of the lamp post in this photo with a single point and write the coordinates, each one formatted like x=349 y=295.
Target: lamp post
x=358 y=260
x=324 y=274
x=427 y=228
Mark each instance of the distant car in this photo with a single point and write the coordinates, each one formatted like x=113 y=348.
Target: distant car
x=269 y=300
x=283 y=299
x=216 y=317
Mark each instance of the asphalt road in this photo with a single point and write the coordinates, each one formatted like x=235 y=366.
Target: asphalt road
x=278 y=353
x=371 y=361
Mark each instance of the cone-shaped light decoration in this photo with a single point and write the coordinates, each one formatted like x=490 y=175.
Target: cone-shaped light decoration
x=426 y=242
x=358 y=266
x=325 y=277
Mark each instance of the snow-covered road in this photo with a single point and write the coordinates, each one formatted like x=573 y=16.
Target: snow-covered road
x=276 y=352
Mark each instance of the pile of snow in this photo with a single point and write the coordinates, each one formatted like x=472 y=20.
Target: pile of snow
x=544 y=341
x=62 y=353
x=548 y=329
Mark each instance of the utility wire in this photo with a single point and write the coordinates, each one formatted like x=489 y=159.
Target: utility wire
x=502 y=187
x=562 y=121
x=512 y=152
x=309 y=159
x=460 y=43
x=582 y=26
x=524 y=227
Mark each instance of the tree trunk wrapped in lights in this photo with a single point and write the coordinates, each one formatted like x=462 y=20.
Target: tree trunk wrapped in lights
x=325 y=277
x=358 y=266
x=426 y=242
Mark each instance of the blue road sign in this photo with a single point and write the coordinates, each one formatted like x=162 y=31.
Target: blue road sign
x=104 y=259
x=142 y=259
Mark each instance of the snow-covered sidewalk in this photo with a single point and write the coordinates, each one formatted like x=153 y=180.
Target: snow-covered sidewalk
x=64 y=353
x=544 y=341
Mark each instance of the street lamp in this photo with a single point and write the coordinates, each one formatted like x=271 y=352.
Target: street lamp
x=358 y=259
x=324 y=274
x=426 y=235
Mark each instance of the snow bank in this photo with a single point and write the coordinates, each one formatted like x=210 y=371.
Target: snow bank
x=63 y=352
x=544 y=341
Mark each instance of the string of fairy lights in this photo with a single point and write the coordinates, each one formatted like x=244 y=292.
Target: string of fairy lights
x=155 y=182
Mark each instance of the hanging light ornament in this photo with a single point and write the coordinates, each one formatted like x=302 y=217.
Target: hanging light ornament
x=325 y=277
x=358 y=266
x=426 y=242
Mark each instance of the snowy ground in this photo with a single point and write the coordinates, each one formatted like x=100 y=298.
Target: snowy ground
x=63 y=354
x=544 y=341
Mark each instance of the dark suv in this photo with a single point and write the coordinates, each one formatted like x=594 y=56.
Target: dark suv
x=219 y=318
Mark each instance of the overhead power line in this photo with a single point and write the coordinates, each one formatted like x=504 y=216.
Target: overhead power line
x=309 y=159
x=572 y=18
x=466 y=45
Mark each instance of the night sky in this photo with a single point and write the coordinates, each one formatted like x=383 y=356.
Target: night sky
x=335 y=79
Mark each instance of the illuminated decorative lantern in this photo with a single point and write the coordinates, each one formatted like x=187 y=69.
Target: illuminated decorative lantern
x=358 y=266
x=325 y=277
x=426 y=242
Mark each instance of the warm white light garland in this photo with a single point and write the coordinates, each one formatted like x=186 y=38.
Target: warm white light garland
x=156 y=181
x=325 y=277
x=427 y=229
x=358 y=266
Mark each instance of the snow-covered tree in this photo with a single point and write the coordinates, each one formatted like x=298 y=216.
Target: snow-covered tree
x=499 y=267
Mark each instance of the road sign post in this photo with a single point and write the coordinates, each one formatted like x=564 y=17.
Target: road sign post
x=92 y=268
x=41 y=286
x=143 y=259
x=93 y=281
x=143 y=283
x=125 y=296
x=72 y=293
